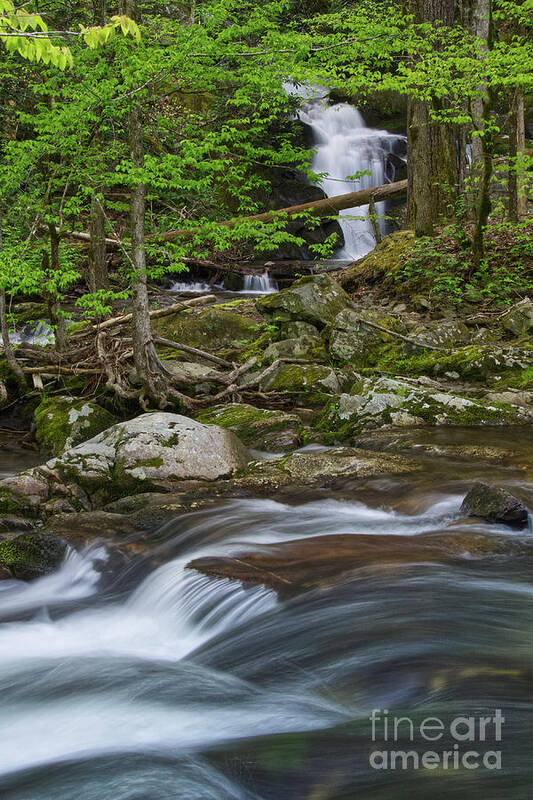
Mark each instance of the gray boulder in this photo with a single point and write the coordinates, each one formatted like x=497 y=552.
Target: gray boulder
x=519 y=320
x=495 y=505
x=308 y=347
x=152 y=451
x=314 y=299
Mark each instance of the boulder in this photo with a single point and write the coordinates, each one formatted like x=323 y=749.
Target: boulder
x=152 y=451
x=519 y=319
x=314 y=299
x=351 y=340
x=276 y=431
x=31 y=555
x=293 y=330
x=309 y=347
x=213 y=328
x=302 y=378
x=495 y=505
x=439 y=333
x=63 y=422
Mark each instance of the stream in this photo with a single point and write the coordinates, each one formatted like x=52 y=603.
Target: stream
x=174 y=685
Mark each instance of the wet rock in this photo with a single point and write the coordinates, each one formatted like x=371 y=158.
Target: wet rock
x=323 y=468
x=495 y=505
x=303 y=564
x=23 y=493
x=302 y=378
x=519 y=320
x=308 y=347
x=62 y=422
x=32 y=555
x=276 y=431
x=314 y=299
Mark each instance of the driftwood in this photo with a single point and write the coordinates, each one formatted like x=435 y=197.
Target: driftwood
x=319 y=208
x=414 y=342
x=194 y=351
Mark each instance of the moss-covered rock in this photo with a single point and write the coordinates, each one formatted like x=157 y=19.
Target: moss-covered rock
x=314 y=299
x=293 y=330
x=211 y=329
x=302 y=378
x=275 y=431
x=62 y=422
x=377 y=403
x=519 y=320
x=308 y=347
x=32 y=555
x=350 y=340
x=386 y=259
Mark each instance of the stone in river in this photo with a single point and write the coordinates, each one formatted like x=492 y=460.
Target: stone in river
x=495 y=505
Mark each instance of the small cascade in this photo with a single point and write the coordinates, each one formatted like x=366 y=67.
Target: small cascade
x=193 y=287
x=345 y=146
x=260 y=284
x=33 y=333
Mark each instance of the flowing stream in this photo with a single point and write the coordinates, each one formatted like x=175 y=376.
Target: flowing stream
x=175 y=685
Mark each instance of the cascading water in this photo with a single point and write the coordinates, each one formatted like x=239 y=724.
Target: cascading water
x=259 y=284
x=344 y=146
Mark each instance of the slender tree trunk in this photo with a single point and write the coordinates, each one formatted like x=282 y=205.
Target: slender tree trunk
x=99 y=11
x=517 y=145
x=483 y=203
x=56 y=317
x=8 y=350
x=98 y=277
x=432 y=150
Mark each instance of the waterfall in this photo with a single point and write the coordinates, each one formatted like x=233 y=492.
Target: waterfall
x=259 y=284
x=345 y=146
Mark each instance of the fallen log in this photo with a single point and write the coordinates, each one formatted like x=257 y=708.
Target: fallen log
x=319 y=208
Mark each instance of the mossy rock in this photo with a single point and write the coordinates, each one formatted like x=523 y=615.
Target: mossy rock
x=302 y=378
x=63 y=422
x=308 y=347
x=313 y=299
x=32 y=555
x=351 y=340
x=263 y=429
x=386 y=259
x=211 y=329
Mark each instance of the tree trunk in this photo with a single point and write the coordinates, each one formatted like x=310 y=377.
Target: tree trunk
x=432 y=152
x=56 y=317
x=483 y=203
x=8 y=350
x=98 y=277
x=517 y=146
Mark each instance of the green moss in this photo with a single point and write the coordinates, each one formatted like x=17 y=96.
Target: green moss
x=157 y=461
x=296 y=377
x=64 y=421
x=210 y=329
x=385 y=260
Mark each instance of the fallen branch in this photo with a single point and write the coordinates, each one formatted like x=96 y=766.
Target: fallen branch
x=414 y=342
x=194 y=351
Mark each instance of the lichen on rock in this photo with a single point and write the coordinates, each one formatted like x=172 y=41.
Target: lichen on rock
x=62 y=422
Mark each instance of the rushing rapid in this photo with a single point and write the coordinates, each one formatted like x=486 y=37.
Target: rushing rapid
x=177 y=685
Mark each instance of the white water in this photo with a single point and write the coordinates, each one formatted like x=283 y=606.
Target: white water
x=345 y=146
x=33 y=333
x=196 y=287
x=259 y=284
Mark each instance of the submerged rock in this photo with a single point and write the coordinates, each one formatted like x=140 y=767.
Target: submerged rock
x=303 y=564
x=314 y=299
x=495 y=505
x=62 y=422
x=31 y=555
x=259 y=428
